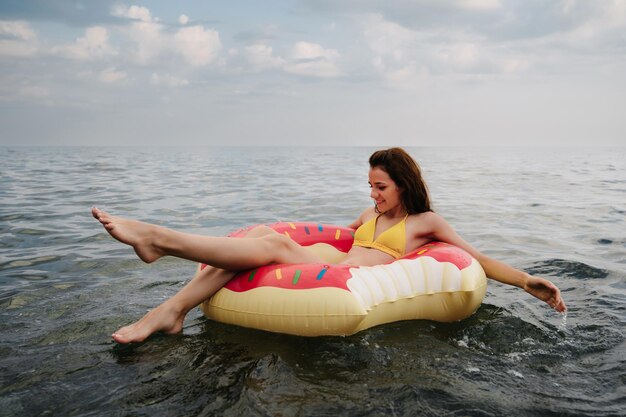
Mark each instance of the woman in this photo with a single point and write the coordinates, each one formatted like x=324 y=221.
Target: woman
x=400 y=222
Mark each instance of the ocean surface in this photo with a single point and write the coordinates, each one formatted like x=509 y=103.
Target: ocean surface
x=65 y=286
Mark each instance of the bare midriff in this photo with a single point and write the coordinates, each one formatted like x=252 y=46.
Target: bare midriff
x=359 y=256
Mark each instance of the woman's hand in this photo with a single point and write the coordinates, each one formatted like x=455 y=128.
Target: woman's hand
x=506 y=274
x=545 y=291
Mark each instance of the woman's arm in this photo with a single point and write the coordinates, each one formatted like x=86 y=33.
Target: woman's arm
x=355 y=224
x=538 y=287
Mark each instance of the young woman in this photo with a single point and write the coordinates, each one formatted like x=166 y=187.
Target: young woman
x=400 y=222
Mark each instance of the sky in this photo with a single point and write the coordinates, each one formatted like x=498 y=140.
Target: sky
x=313 y=72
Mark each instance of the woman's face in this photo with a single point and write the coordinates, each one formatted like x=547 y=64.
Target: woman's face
x=385 y=192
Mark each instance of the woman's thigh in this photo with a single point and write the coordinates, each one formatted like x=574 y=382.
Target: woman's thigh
x=327 y=253
x=260 y=230
x=284 y=249
x=287 y=251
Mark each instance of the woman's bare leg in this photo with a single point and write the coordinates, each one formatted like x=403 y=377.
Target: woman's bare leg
x=152 y=242
x=169 y=316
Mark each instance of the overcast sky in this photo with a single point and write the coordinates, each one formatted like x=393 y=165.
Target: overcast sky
x=315 y=72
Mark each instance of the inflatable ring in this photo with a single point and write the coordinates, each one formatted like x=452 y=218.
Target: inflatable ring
x=437 y=282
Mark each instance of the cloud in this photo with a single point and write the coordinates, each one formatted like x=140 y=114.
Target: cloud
x=94 y=45
x=260 y=57
x=133 y=12
x=17 y=39
x=479 y=4
x=17 y=30
x=597 y=26
x=407 y=58
x=183 y=19
x=145 y=33
x=168 y=80
x=22 y=89
x=419 y=42
x=400 y=54
x=303 y=58
x=153 y=41
x=111 y=75
x=198 y=46
x=313 y=60
x=494 y=20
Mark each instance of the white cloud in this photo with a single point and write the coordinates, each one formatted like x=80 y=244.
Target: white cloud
x=597 y=25
x=17 y=29
x=148 y=39
x=307 y=50
x=304 y=58
x=168 y=80
x=407 y=58
x=410 y=76
x=111 y=75
x=132 y=12
x=479 y=4
x=17 y=39
x=313 y=60
x=197 y=45
x=260 y=57
x=396 y=51
x=152 y=41
x=145 y=32
x=25 y=91
x=94 y=45
x=388 y=38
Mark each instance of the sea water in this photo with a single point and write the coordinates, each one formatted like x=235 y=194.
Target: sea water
x=65 y=286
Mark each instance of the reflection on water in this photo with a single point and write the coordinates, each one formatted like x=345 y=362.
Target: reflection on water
x=65 y=286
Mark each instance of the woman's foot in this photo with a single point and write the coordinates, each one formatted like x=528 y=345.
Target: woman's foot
x=141 y=236
x=164 y=319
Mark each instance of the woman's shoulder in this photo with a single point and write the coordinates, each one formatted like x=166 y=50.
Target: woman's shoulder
x=368 y=212
x=427 y=216
x=426 y=222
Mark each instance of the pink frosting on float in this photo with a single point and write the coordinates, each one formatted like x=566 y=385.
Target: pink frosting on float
x=308 y=276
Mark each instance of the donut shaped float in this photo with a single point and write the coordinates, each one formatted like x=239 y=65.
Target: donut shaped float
x=437 y=282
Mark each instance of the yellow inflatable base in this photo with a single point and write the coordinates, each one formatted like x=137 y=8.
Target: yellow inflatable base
x=337 y=312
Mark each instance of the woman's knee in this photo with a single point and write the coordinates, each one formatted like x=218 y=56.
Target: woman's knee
x=279 y=246
x=260 y=230
x=279 y=241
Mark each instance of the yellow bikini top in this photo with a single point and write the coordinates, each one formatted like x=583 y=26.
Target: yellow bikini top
x=392 y=241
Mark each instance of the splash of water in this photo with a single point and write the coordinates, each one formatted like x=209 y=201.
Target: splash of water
x=563 y=324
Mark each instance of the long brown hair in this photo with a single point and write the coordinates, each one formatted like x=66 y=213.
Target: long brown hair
x=405 y=172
